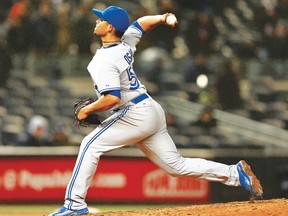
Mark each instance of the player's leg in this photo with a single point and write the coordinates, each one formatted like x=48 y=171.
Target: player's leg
x=161 y=149
x=100 y=140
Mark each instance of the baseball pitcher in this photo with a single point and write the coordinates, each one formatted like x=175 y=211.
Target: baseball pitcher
x=136 y=119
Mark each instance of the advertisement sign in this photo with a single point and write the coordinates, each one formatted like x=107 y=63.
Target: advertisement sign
x=116 y=179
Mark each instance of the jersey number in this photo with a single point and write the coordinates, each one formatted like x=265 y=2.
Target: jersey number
x=134 y=83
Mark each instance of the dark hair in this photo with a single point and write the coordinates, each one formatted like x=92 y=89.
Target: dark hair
x=118 y=33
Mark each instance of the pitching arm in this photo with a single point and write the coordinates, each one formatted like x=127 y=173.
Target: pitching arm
x=149 y=22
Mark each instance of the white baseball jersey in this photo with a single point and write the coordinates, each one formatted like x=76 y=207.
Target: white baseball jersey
x=139 y=120
x=112 y=68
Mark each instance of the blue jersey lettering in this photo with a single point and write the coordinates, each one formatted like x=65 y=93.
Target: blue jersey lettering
x=129 y=57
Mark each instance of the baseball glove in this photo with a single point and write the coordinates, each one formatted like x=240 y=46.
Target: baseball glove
x=92 y=119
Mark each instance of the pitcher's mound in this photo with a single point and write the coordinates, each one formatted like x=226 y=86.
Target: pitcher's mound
x=274 y=207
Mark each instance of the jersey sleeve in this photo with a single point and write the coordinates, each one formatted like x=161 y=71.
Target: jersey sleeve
x=133 y=35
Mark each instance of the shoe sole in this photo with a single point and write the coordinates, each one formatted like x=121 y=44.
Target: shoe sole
x=256 y=186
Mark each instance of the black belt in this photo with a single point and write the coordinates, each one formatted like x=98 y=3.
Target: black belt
x=139 y=98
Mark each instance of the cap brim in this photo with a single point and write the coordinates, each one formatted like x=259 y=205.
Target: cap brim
x=97 y=13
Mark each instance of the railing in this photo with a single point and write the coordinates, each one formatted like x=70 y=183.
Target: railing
x=244 y=128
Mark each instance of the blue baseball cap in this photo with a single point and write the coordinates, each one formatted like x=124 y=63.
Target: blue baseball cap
x=116 y=16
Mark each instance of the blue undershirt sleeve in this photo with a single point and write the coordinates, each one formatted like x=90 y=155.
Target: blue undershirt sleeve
x=113 y=92
x=136 y=24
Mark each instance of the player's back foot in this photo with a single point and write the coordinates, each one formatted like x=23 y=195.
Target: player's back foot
x=249 y=181
x=63 y=211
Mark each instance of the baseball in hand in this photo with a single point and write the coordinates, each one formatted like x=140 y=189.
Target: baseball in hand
x=171 y=20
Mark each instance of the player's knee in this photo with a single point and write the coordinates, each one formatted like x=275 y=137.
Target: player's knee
x=173 y=172
x=175 y=167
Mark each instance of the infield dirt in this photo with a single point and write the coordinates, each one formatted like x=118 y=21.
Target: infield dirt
x=273 y=207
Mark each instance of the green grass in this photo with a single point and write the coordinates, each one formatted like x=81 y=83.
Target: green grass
x=44 y=210
x=29 y=210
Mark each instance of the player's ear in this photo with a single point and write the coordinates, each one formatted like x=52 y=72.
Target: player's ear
x=110 y=27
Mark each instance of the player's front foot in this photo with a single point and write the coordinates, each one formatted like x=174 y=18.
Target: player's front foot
x=248 y=180
x=66 y=212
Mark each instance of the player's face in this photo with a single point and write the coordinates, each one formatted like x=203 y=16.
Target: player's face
x=101 y=28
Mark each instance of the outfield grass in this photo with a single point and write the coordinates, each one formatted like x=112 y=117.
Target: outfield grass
x=44 y=210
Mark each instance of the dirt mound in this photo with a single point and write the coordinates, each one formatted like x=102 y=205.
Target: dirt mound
x=274 y=207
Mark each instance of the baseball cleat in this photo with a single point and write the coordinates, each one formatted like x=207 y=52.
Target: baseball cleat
x=249 y=181
x=66 y=212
